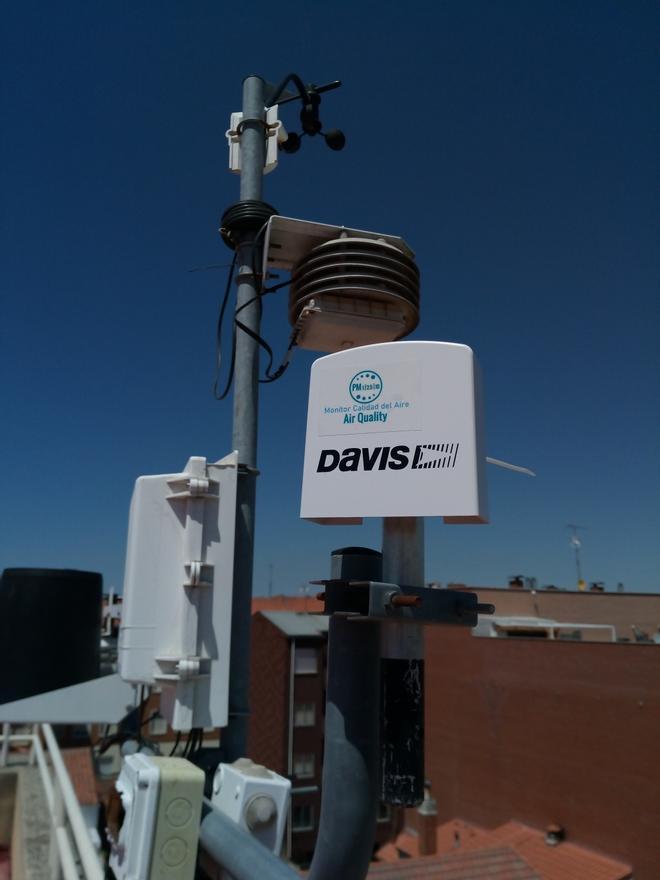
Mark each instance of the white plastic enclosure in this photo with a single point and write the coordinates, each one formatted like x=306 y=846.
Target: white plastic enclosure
x=176 y=622
x=255 y=798
x=162 y=802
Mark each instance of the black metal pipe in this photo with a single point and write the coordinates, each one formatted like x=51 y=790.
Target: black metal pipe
x=350 y=786
x=238 y=852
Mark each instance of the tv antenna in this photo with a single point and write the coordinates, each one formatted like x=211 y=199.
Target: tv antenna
x=576 y=544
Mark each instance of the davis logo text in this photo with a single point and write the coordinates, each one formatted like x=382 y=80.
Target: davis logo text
x=394 y=458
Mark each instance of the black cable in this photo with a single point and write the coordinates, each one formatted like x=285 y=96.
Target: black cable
x=261 y=291
x=176 y=743
x=218 y=338
x=258 y=276
x=153 y=715
x=270 y=376
x=299 y=84
x=184 y=753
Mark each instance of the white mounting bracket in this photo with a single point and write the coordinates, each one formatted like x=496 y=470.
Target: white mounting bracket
x=275 y=133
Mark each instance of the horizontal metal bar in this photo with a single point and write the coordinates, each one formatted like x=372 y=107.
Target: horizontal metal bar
x=88 y=855
x=44 y=772
x=64 y=850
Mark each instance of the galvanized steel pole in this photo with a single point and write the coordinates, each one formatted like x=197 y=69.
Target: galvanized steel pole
x=244 y=432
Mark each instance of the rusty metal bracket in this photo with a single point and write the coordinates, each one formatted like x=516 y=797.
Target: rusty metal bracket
x=373 y=600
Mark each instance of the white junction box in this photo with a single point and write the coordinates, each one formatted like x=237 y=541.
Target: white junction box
x=176 y=617
x=162 y=803
x=395 y=429
x=255 y=798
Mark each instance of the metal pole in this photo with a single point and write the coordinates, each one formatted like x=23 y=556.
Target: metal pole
x=349 y=804
x=244 y=430
x=6 y=729
x=238 y=852
x=402 y=671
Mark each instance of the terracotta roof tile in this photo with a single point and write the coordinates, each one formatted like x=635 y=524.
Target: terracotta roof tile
x=569 y=860
x=497 y=863
x=510 y=852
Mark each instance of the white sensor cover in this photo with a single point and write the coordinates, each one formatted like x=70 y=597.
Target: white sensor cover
x=395 y=430
x=176 y=618
x=255 y=798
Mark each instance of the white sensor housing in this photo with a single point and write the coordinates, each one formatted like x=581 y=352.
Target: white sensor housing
x=176 y=620
x=255 y=798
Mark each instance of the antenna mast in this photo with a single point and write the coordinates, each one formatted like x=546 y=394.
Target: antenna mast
x=576 y=543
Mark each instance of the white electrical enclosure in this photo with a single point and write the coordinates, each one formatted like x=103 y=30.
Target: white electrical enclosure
x=255 y=798
x=395 y=430
x=176 y=619
x=162 y=803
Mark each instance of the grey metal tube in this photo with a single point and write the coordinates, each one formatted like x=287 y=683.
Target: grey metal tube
x=244 y=429
x=350 y=765
x=238 y=852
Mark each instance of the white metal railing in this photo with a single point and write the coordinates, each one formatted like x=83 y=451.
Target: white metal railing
x=72 y=853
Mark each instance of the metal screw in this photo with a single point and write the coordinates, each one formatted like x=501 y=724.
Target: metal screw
x=401 y=600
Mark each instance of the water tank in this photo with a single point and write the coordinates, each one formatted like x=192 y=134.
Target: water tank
x=50 y=630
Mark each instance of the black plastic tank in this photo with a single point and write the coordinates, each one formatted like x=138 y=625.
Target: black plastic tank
x=50 y=630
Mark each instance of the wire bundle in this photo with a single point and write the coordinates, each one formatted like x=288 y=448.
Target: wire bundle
x=270 y=375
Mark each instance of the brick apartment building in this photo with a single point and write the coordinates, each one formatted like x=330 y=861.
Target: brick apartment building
x=287 y=697
x=541 y=731
x=548 y=732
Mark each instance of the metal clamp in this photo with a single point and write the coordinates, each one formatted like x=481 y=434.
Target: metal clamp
x=373 y=600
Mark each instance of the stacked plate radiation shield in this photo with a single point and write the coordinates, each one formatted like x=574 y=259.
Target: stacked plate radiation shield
x=364 y=290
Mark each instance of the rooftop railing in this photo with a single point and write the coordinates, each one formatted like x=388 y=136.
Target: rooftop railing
x=72 y=853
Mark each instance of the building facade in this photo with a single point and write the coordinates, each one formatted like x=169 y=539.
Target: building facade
x=548 y=732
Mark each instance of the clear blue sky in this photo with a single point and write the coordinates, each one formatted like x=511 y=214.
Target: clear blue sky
x=515 y=146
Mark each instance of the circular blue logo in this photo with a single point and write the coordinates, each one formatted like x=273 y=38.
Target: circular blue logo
x=365 y=386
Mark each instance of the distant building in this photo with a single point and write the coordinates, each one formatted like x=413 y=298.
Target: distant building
x=287 y=716
x=623 y=611
x=548 y=731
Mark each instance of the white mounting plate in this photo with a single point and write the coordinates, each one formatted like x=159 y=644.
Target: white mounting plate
x=394 y=429
x=288 y=240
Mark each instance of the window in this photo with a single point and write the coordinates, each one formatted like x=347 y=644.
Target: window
x=158 y=726
x=302 y=817
x=306 y=662
x=384 y=812
x=304 y=715
x=303 y=765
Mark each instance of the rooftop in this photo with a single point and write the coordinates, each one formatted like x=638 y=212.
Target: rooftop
x=297 y=624
x=511 y=852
